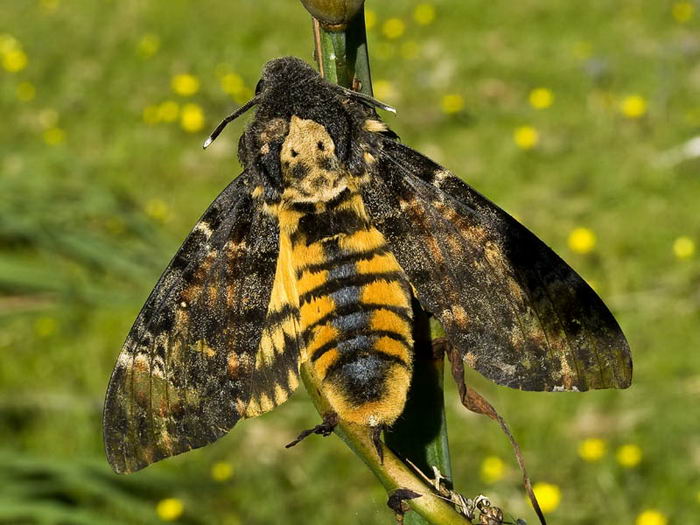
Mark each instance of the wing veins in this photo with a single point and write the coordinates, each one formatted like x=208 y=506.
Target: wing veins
x=197 y=259
x=413 y=182
x=576 y=309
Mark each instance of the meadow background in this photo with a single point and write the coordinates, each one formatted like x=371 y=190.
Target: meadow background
x=576 y=117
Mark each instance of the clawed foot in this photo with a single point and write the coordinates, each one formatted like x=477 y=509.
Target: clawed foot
x=397 y=502
x=479 y=507
x=325 y=429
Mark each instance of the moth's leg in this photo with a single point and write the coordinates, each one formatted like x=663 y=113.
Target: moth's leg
x=397 y=502
x=474 y=402
x=325 y=429
x=376 y=435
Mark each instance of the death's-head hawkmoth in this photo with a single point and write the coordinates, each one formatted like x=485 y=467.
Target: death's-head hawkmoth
x=316 y=252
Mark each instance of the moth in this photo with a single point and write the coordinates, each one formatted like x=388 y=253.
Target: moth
x=315 y=253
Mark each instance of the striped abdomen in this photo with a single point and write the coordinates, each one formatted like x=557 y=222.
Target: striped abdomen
x=355 y=311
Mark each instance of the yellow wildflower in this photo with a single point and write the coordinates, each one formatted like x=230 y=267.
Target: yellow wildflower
x=384 y=50
x=185 y=84
x=148 y=45
x=541 y=98
x=526 y=137
x=45 y=326
x=170 y=509
x=384 y=90
x=424 y=14
x=592 y=449
x=54 y=136
x=151 y=114
x=49 y=5
x=548 y=495
x=157 y=210
x=651 y=517
x=683 y=11
x=684 y=247
x=370 y=19
x=629 y=456
x=221 y=471
x=192 y=118
x=8 y=43
x=582 y=240
x=232 y=83
x=410 y=49
x=14 y=60
x=393 y=28
x=452 y=103
x=25 y=91
x=492 y=469
x=168 y=111
x=633 y=106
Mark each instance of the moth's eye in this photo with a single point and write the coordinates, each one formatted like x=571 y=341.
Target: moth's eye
x=321 y=145
x=294 y=152
x=259 y=86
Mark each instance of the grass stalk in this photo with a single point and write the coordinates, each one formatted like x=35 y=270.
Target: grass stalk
x=393 y=473
x=420 y=435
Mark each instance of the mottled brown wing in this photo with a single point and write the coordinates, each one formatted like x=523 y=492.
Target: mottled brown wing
x=184 y=371
x=516 y=311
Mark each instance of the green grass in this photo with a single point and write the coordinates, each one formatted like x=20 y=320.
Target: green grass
x=87 y=224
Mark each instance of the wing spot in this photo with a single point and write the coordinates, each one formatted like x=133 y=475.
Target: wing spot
x=280 y=395
x=292 y=379
x=240 y=407
x=233 y=365
x=460 y=315
x=470 y=359
x=374 y=126
x=266 y=403
x=441 y=175
x=204 y=228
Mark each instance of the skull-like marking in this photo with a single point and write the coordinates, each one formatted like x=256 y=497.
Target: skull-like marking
x=310 y=168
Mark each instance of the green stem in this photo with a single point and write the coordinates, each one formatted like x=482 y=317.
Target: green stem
x=420 y=434
x=342 y=55
x=392 y=472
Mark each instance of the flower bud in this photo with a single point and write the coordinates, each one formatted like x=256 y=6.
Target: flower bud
x=333 y=14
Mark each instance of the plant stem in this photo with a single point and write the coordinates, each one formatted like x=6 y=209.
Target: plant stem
x=392 y=472
x=342 y=55
x=420 y=434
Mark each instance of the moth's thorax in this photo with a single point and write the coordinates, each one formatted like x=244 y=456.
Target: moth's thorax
x=311 y=172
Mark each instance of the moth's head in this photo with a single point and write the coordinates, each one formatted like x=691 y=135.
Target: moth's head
x=284 y=72
x=287 y=84
x=289 y=88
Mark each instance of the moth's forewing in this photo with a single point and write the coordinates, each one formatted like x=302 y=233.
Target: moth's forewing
x=517 y=312
x=184 y=370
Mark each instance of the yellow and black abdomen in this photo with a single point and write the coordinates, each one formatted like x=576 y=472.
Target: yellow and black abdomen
x=355 y=312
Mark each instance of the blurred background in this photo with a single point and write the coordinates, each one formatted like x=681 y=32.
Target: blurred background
x=580 y=118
